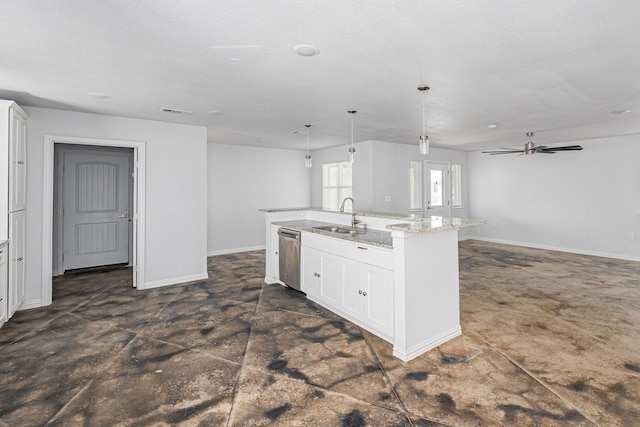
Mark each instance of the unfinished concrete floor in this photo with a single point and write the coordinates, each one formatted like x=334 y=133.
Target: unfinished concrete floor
x=548 y=339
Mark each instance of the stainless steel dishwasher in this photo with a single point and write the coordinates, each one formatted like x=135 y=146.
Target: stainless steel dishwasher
x=289 y=261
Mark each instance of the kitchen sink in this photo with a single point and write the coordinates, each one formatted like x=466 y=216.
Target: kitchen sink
x=339 y=230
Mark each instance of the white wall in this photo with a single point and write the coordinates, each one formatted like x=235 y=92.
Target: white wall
x=176 y=190
x=362 y=173
x=242 y=180
x=585 y=202
x=382 y=169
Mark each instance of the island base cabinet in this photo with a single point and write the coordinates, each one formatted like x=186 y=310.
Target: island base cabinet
x=320 y=278
x=366 y=296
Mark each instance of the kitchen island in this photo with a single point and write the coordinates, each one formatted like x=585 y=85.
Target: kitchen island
x=398 y=278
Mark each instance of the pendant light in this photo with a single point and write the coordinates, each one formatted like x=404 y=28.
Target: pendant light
x=307 y=158
x=352 y=149
x=423 y=142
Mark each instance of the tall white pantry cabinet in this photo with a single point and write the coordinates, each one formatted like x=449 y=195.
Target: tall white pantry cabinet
x=13 y=194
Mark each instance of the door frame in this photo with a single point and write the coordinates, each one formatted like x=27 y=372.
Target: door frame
x=139 y=197
x=59 y=194
x=427 y=186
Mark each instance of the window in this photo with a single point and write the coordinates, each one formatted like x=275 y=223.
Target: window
x=336 y=185
x=415 y=185
x=456 y=185
x=436 y=188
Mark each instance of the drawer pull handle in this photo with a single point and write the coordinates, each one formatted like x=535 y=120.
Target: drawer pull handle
x=364 y=249
x=20 y=162
x=20 y=259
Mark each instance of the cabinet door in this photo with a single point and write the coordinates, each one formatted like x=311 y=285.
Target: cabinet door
x=309 y=270
x=17 y=161
x=378 y=300
x=3 y=285
x=350 y=288
x=275 y=248
x=17 y=270
x=329 y=279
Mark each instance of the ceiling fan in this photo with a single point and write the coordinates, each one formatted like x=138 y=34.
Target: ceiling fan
x=531 y=148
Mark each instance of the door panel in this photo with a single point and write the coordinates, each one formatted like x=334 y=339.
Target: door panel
x=379 y=300
x=17 y=161
x=329 y=278
x=351 y=293
x=96 y=209
x=437 y=193
x=17 y=262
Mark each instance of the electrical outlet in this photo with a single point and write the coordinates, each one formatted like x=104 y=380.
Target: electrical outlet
x=387 y=198
x=632 y=236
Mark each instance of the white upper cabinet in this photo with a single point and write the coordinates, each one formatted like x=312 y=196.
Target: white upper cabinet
x=17 y=160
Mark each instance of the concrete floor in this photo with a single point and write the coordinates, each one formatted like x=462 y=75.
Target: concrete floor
x=548 y=339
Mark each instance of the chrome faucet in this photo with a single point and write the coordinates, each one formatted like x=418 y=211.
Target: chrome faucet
x=354 y=221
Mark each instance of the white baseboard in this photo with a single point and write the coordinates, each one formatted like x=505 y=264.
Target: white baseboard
x=557 y=248
x=173 y=281
x=411 y=353
x=27 y=305
x=236 y=250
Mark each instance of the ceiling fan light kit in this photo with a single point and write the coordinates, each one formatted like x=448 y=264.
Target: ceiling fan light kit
x=530 y=148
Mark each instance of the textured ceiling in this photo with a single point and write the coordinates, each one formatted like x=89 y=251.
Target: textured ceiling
x=557 y=68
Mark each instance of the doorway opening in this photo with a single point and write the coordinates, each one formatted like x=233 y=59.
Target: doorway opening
x=92 y=201
x=93 y=168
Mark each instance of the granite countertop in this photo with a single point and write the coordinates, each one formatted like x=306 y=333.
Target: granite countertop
x=358 y=213
x=434 y=223
x=371 y=237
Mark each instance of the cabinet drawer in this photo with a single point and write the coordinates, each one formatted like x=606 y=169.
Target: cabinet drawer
x=367 y=254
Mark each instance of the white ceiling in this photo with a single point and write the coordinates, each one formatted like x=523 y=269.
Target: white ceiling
x=557 y=68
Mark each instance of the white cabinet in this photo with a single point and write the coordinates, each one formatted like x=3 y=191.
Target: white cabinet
x=17 y=270
x=13 y=196
x=320 y=278
x=275 y=253
x=17 y=160
x=366 y=296
x=3 y=283
x=351 y=279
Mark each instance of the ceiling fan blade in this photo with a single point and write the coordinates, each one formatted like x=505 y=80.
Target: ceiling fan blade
x=503 y=150
x=565 y=148
x=491 y=153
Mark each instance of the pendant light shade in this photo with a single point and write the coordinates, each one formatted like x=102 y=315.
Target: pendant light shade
x=352 y=149
x=423 y=141
x=307 y=158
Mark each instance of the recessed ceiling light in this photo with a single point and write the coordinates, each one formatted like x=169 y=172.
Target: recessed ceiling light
x=306 y=50
x=618 y=112
x=493 y=126
x=99 y=95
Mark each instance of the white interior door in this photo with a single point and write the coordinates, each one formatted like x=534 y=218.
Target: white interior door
x=96 y=209
x=437 y=193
